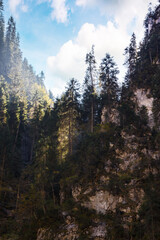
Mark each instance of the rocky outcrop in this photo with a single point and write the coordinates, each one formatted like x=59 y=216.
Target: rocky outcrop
x=101 y=198
x=68 y=231
x=99 y=232
x=110 y=115
x=101 y=202
x=143 y=98
x=44 y=234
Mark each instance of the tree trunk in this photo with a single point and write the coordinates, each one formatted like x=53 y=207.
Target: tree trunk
x=17 y=200
x=92 y=115
x=14 y=146
x=2 y=167
x=32 y=149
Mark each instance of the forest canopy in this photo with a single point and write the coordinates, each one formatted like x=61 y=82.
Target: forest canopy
x=101 y=139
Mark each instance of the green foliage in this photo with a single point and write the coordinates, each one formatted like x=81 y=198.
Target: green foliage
x=108 y=79
x=3 y=101
x=90 y=101
x=68 y=125
x=46 y=151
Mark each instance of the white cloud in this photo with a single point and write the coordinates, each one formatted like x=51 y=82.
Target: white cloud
x=85 y=3
x=70 y=61
x=123 y=11
x=128 y=17
x=24 y=8
x=59 y=13
x=60 y=10
x=13 y=4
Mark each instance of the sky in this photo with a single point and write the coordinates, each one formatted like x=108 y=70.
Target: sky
x=56 y=35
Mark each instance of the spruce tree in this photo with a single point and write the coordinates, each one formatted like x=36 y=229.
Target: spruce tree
x=68 y=119
x=90 y=85
x=108 y=79
x=131 y=59
x=1 y=39
x=13 y=57
x=3 y=101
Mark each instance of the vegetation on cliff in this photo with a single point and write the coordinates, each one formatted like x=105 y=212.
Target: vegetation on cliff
x=92 y=158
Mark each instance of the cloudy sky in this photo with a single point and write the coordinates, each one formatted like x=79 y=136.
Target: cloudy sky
x=56 y=34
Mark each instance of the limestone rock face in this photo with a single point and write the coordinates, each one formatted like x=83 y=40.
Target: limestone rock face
x=69 y=231
x=99 y=231
x=101 y=202
x=44 y=234
x=98 y=195
x=112 y=116
x=143 y=99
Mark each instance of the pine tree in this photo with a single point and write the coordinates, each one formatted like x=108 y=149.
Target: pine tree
x=41 y=78
x=108 y=79
x=3 y=101
x=13 y=58
x=90 y=88
x=14 y=113
x=1 y=39
x=131 y=59
x=68 y=119
x=28 y=79
x=51 y=95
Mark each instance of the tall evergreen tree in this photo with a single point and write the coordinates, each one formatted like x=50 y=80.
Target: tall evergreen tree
x=1 y=39
x=90 y=88
x=131 y=58
x=108 y=78
x=3 y=101
x=13 y=57
x=68 y=119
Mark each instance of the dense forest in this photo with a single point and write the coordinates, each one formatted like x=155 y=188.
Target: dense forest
x=85 y=165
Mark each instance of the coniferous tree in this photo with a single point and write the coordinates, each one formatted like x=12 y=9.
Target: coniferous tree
x=41 y=78
x=1 y=39
x=13 y=57
x=131 y=58
x=3 y=101
x=68 y=119
x=51 y=95
x=90 y=85
x=108 y=79
x=9 y=44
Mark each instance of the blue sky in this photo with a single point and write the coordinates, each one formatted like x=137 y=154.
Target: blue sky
x=56 y=34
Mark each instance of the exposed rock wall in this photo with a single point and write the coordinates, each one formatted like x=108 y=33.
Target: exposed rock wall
x=110 y=116
x=69 y=231
x=100 y=198
x=143 y=98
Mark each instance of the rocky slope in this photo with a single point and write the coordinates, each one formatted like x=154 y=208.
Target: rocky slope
x=117 y=191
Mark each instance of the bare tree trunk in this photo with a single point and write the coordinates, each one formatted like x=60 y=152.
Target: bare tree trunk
x=2 y=168
x=18 y=195
x=92 y=115
x=150 y=56
x=53 y=196
x=92 y=102
x=153 y=238
x=32 y=149
x=43 y=199
x=14 y=146
x=72 y=136
x=69 y=137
